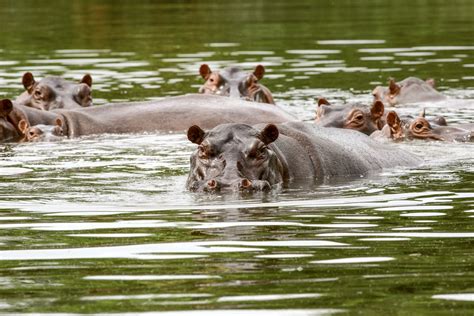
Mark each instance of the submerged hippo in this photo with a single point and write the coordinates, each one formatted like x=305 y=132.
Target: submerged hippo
x=42 y=132
x=236 y=83
x=8 y=129
x=55 y=93
x=420 y=128
x=357 y=116
x=169 y=114
x=409 y=90
x=253 y=158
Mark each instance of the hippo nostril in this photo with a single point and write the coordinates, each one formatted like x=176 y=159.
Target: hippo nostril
x=212 y=184
x=246 y=183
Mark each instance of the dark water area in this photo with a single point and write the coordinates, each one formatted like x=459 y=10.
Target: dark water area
x=104 y=225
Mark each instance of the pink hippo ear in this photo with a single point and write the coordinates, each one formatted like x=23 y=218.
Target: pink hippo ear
x=58 y=122
x=377 y=109
x=6 y=106
x=23 y=126
x=196 y=134
x=431 y=82
x=259 y=72
x=205 y=71
x=393 y=87
x=28 y=82
x=422 y=113
x=392 y=118
x=87 y=79
x=322 y=101
x=269 y=134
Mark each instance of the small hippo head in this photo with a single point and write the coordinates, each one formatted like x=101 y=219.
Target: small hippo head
x=408 y=90
x=236 y=83
x=8 y=131
x=421 y=128
x=352 y=116
x=233 y=157
x=55 y=93
x=42 y=133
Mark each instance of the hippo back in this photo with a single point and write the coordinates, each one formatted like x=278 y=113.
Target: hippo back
x=169 y=114
x=336 y=152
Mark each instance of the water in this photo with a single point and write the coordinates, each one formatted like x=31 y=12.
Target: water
x=104 y=225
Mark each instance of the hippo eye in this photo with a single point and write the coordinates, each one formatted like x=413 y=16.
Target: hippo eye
x=359 y=117
x=211 y=80
x=31 y=133
x=38 y=93
x=419 y=126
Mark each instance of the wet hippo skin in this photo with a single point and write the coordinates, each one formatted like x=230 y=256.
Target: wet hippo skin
x=169 y=114
x=241 y=157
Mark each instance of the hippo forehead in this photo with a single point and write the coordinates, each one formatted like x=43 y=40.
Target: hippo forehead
x=57 y=83
x=229 y=135
x=233 y=74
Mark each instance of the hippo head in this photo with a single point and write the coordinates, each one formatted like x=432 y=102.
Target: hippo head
x=55 y=92
x=235 y=83
x=42 y=133
x=352 y=116
x=233 y=157
x=8 y=131
x=409 y=90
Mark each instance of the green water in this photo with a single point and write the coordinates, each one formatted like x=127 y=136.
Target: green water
x=104 y=224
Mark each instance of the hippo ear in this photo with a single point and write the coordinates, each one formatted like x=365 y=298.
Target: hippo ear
x=58 y=122
x=6 y=106
x=259 y=72
x=431 y=82
x=28 y=81
x=377 y=109
x=196 y=134
x=393 y=87
x=392 y=118
x=269 y=134
x=205 y=71
x=23 y=126
x=322 y=101
x=422 y=113
x=87 y=79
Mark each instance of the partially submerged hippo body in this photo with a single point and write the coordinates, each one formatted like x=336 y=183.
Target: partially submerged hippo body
x=409 y=90
x=236 y=83
x=399 y=129
x=169 y=114
x=252 y=158
x=365 y=119
x=55 y=93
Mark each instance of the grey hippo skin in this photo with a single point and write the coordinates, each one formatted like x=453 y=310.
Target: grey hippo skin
x=235 y=83
x=55 y=93
x=173 y=114
x=409 y=90
x=240 y=157
x=406 y=128
x=357 y=116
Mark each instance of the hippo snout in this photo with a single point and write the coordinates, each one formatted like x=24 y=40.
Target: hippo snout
x=242 y=185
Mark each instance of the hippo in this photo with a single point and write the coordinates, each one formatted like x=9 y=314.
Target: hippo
x=55 y=93
x=409 y=90
x=42 y=132
x=420 y=128
x=8 y=128
x=351 y=116
x=236 y=83
x=172 y=114
x=241 y=157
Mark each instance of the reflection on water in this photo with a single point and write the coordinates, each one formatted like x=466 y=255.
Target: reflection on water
x=104 y=225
